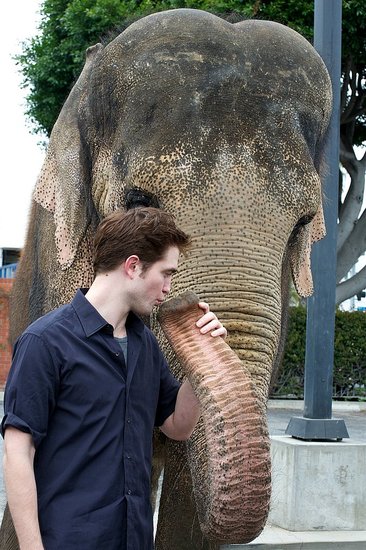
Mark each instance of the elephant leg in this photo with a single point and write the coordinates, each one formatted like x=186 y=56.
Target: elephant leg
x=8 y=537
x=178 y=526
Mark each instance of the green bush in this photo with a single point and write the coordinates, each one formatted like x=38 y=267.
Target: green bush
x=349 y=374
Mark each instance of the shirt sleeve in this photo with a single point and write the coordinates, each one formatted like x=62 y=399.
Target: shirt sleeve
x=31 y=389
x=169 y=387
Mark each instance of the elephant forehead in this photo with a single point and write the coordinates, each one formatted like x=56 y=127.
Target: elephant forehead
x=254 y=82
x=267 y=58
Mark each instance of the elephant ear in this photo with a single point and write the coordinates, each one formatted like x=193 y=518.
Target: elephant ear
x=300 y=251
x=61 y=187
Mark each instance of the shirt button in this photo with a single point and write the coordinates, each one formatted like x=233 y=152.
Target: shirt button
x=117 y=354
x=129 y=492
x=128 y=456
x=128 y=420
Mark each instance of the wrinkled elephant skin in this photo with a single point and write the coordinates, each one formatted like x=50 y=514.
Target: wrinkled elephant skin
x=223 y=125
x=237 y=438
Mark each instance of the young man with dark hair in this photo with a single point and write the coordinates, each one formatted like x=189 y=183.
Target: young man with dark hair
x=87 y=385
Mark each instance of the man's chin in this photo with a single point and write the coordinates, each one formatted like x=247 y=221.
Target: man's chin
x=148 y=309
x=142 y=312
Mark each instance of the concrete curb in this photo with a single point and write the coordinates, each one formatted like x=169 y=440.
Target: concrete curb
x=275 y=538
x=337 y=406
x=298 y=404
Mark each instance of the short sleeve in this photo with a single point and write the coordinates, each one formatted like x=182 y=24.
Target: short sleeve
x=169 y=388
x=31 y=388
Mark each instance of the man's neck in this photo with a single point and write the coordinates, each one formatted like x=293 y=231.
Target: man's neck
x=106 y=296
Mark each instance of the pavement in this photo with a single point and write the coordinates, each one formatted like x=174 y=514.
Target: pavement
x=353 y=413
x=279 y=414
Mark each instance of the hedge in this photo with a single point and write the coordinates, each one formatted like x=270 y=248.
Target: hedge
x=349 y=374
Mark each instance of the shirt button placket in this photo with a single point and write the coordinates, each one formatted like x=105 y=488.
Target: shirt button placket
x=128 y=460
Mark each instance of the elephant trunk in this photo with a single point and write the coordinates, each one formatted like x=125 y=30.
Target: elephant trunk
x=231 y=478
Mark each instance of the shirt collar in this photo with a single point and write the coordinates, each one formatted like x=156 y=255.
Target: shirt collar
x=92 y=321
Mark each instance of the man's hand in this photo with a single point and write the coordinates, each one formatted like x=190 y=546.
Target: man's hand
x=210 y=323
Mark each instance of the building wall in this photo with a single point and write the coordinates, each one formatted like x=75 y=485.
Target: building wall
x=5 y=348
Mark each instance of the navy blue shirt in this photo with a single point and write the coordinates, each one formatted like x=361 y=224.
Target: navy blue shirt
x=91 y=418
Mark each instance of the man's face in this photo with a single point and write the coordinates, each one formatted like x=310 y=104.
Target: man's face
x=154 y=283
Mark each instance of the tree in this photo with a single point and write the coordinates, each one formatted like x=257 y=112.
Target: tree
x=52 y=60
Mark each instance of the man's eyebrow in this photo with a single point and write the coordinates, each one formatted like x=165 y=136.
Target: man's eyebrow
x=172 y=270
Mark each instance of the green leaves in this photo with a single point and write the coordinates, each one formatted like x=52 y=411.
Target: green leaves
x=349 y=375
x=52 y=60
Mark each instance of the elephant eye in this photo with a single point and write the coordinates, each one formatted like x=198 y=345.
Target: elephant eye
x=135 y=196
x=303 y=221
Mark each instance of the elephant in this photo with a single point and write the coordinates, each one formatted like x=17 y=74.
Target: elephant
x=224 y=125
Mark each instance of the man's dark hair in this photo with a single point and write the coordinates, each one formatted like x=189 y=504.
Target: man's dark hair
x=145 y=232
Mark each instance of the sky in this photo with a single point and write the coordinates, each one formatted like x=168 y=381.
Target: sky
x=20 y=156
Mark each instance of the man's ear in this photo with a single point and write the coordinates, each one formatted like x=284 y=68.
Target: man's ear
x=132 y=266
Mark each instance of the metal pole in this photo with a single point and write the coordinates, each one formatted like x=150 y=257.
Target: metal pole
x=317 y=422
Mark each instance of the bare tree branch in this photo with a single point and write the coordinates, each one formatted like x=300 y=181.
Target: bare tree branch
x=353 y=248
x=351 y=243
x=348 y=158
x=352 y=204
x=352 y=286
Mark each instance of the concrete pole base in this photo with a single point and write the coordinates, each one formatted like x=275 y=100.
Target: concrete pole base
x=318 y=486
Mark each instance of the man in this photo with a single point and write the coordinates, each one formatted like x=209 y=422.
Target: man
x=87 y=385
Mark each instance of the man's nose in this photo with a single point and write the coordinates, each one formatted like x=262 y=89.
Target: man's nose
x=166 y=287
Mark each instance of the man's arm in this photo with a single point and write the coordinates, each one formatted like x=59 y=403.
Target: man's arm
x=180 y=424
x=21 y=487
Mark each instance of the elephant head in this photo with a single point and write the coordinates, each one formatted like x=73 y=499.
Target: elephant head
x=223 y=125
